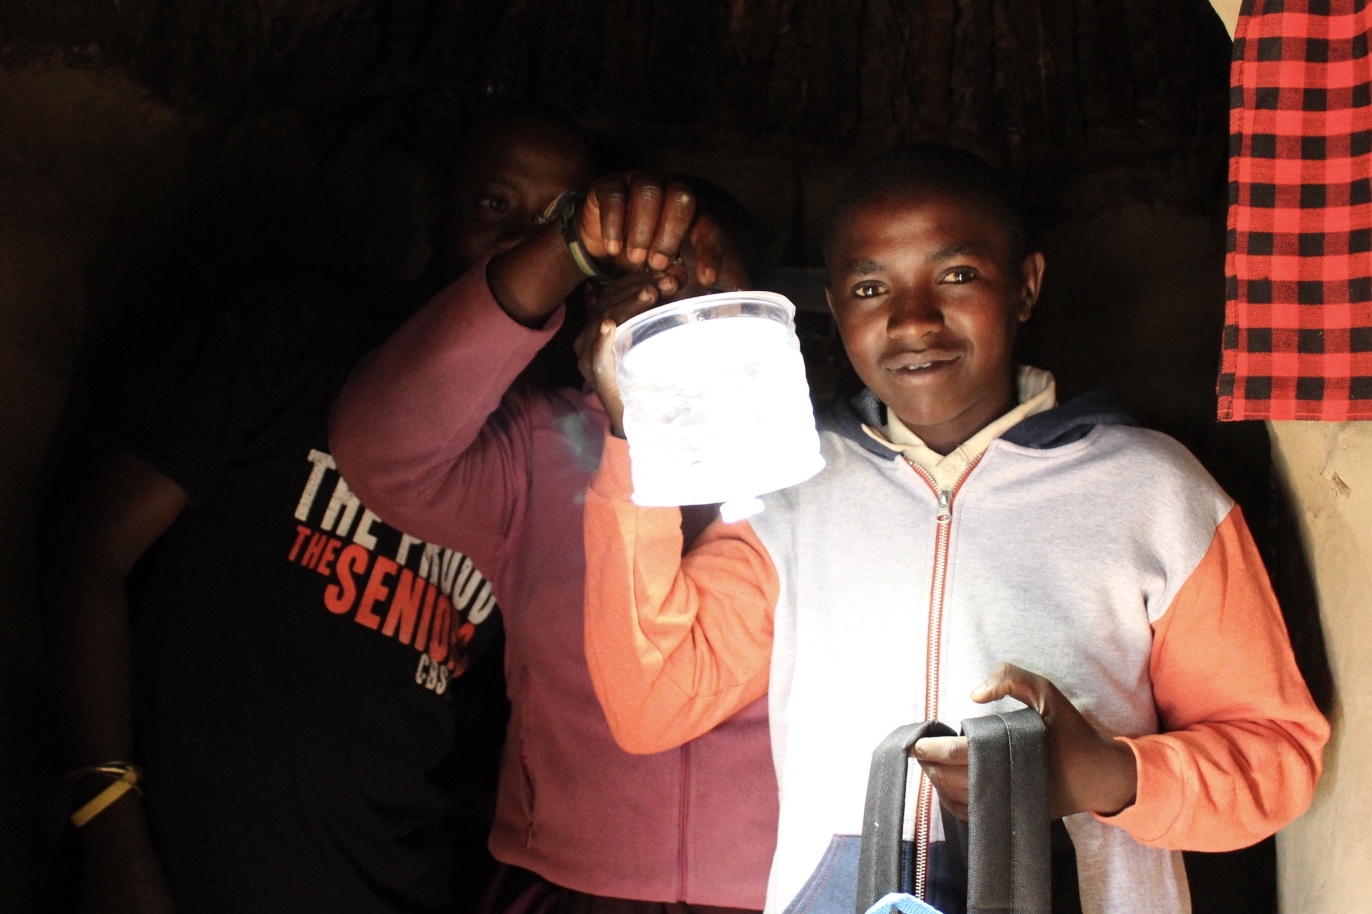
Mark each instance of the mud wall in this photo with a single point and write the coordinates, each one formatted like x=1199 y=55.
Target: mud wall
x=1326 y=476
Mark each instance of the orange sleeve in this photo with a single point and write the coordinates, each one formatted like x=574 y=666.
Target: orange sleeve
x=675 y=644
x=1243 y=742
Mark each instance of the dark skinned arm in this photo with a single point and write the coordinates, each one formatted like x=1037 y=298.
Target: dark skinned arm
x=126 y=507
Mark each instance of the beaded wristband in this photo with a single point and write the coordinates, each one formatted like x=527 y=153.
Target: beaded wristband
x=563 y=212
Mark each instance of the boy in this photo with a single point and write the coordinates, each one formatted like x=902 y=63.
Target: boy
x=437 y=433
x=963 y=520
x=283 y=672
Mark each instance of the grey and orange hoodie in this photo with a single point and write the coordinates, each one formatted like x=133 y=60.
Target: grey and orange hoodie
x=1092 y=552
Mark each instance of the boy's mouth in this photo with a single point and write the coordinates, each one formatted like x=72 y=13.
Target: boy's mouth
x=915 y=363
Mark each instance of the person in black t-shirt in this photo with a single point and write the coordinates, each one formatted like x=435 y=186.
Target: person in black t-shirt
x=282 y=665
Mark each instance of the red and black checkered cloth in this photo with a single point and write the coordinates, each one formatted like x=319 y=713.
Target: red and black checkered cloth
x=1298 y=312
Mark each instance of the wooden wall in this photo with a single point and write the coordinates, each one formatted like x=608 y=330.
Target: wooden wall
x=148 y=144
x=1023 y=81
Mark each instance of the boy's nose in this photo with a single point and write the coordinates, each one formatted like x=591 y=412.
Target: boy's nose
x=913 y=314
x=522 y=224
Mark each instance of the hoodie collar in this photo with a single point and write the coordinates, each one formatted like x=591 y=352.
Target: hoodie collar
x=1062 y=425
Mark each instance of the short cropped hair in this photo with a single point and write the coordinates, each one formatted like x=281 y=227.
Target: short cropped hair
x=450 y=168
x=514 y=113
x=932 y=168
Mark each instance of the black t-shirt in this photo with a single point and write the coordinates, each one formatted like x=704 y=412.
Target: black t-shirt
x=296 y=658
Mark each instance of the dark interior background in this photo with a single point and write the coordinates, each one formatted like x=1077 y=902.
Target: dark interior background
x=151 y=150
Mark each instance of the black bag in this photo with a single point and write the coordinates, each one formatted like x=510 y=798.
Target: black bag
x=1007 y=838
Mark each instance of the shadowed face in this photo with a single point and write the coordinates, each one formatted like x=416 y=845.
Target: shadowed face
x=928 y=298
x=512 y=171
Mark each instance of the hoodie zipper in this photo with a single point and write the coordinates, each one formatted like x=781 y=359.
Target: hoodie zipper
x=933 y=659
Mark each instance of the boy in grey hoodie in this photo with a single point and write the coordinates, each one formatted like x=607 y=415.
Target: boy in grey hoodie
x=969 y=543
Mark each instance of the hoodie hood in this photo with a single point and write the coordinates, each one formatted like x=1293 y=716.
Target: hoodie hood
x=1061 y=425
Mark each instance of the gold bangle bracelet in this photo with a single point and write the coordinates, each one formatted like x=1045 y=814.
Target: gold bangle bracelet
x=105 y=798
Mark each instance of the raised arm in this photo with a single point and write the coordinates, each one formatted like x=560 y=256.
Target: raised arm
x=423 y=431
x=410 y=430
x=675 y=645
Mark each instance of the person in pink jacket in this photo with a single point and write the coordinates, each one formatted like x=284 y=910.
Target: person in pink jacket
x=439 y=434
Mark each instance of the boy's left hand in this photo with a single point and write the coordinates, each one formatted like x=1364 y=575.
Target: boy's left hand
x=617 y=300
x=609 y=305
x=1089 y=771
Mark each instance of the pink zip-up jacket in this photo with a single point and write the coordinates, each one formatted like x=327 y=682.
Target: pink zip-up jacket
x=430 y=437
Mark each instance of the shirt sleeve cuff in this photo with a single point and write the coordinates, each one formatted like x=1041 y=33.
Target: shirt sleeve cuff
x=613 y=481
x=1157 y=801
x=472 y=291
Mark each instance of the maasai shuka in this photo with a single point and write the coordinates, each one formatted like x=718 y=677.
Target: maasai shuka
x=1298 y=312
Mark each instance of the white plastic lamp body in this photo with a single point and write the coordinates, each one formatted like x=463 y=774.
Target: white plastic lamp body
x=716 y=406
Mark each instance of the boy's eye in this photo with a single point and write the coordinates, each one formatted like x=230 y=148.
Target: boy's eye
x=867 y=290
x=493 y=204
x=960 y=275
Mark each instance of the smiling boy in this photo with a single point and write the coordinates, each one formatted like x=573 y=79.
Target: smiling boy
x=927 y=302
x=966 y=531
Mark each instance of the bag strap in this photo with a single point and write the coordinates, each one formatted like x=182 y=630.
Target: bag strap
x=1008 y=840
x=1008 y=834
x=883 y=819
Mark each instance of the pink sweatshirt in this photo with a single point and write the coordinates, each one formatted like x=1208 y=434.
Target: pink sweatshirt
x=429 y=435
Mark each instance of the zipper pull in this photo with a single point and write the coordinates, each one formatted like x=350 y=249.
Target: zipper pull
x=945 y=507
